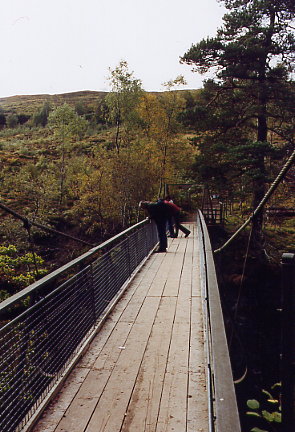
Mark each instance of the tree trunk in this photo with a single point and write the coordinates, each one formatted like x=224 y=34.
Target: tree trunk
x=117 y=145
x=259 y=187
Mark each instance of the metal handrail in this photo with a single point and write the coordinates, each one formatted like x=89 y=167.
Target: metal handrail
x=52 y=322
x=16 y=298
x=222 y=402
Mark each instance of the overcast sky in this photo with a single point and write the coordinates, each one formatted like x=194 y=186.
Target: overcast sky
x=58 y=46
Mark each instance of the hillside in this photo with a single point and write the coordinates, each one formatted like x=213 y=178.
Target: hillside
x=29 y=104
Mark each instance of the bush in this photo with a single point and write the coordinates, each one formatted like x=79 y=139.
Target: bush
x=12 y=121
x=18 y=271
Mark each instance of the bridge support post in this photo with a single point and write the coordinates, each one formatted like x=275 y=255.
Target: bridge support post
x=288 y=345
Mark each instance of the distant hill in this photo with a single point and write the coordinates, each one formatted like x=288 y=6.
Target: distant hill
x=29 y=104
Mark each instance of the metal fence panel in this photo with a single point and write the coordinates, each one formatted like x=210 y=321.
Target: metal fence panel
x=38 y=344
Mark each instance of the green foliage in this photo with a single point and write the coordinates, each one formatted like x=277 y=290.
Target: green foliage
x=253 y=404
x=121 y=103
x=267 y=411
x=257 y=429
x=12 y=121
x=255 y=34
x=35 y=186
x=19 y=270
x=160 y=122
x=71 y=178
x=40 y=118
x=252 y=56
x=66 y=123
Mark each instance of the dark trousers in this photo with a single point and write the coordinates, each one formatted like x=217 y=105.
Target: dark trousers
x=170 y=225
x=161 y=227
x=180 y=227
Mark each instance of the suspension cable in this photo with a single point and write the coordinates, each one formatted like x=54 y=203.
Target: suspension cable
x=266 y=197
x=28 y=228
x=27 y=223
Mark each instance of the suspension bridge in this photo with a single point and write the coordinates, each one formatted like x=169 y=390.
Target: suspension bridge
x=120 y=339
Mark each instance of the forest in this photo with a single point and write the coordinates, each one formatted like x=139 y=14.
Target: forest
x=78 y=164
x=82 y=166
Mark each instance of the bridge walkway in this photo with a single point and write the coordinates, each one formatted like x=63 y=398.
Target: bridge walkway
x=145 y=369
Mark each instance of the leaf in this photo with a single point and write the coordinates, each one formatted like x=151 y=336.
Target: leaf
x=273 y=401
x=252 y=414
x=269 y=396
x=277 y=417
x=253 y=404
x=268 y=416
x=257 y=429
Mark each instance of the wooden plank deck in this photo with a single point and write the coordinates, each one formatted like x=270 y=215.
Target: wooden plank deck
x=145 y=370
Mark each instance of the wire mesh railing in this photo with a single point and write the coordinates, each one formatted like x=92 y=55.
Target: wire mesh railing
x=45 y=325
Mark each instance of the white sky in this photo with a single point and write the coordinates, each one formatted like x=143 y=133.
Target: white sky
x=59 y=46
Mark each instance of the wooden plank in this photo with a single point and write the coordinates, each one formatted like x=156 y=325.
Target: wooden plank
x=141 y=281
x=83 y=405
x=173 y=407
x=196 y=291
x=98 y=349
x=132 y=308
x=143 y=278
x=159 y=283
x=173 y=277
x=111 y=408
x=56 y=411
x=172 y=414
x=59 y=405
x=197 y=409
x=106 y=355
x=142 y=412
x=81 y=409
x=186 y=274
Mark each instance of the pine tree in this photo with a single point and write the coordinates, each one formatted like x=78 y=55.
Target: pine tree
x=252 y=55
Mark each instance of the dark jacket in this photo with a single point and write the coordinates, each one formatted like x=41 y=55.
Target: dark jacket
x=159 y=211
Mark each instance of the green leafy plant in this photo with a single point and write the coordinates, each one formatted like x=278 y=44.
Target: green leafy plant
x=267 y=410
x=19 y=270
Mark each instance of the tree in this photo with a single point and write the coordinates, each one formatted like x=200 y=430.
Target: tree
x=121 y=103
x=40 y=118
x=133 y=178
x=160 y=121
x=34 y=188
x=2 y=118
x=12 y=121
x=66 y=123
x=252 y=55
